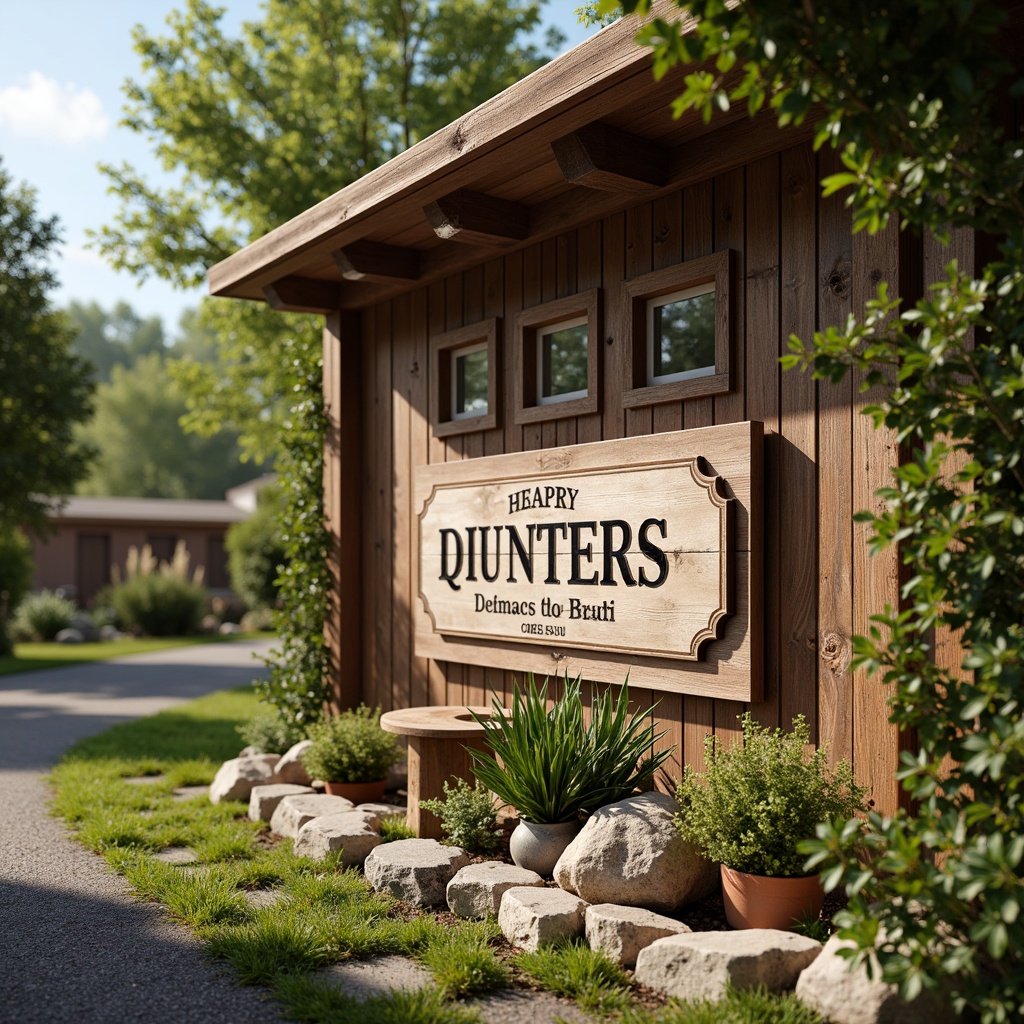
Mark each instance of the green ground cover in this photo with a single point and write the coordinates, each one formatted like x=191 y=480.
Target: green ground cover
x=322 y=914
x=34 y=656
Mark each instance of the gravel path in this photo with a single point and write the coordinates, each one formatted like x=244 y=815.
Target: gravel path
x=74 y=946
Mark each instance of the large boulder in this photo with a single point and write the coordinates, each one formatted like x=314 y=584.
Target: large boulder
x=416 y=871
x=294 y=811
x=236 y=778
x=621 y=932
x=703 y=965
x=631 y=853
x=354 y=833
x=290 y=768
x=477 y=889
x=530 y=917
x=851 y=997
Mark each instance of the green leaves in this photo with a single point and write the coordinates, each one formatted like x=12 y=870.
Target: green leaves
x=550 y=766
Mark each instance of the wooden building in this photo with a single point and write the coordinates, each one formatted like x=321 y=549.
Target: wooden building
x=573 y=206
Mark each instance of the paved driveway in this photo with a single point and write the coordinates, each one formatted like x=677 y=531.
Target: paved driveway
x=74 y=946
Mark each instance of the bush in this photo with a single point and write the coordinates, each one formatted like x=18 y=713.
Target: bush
x=15 y=570
x=42 y=616
x=270 y=732
x=351 y=747
x=159 y=605
x=753 y=804
x=255 y=552
x=467 y=816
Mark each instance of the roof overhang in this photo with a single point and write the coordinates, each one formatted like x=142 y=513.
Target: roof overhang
x=587 y=135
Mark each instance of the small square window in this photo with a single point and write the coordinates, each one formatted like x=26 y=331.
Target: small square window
x=557 y=365
x=681 y=335
x=562 y=361
x=469 y=381
x=680 y=332
x=464 y=379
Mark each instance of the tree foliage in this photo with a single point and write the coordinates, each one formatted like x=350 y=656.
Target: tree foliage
x=115 y=337
x=911 y=96
x=261 y=127
x=143 y=450
x=44 y=387
x=255 y=552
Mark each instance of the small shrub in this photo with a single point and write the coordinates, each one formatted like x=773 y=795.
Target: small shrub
x=42 y=616
x=754 y=803
x=270 y=732
x=467 y=816
x=256 y=553
x=15 y=570
x=159 y=604
x=394 y=829
x=351 y=747
x=259 y=620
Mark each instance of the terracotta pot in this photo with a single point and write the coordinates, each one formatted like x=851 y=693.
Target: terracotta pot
x=757 y=901
x=538 y=847
x=358 y=792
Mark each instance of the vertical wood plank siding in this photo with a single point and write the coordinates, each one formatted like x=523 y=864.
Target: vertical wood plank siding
x=797 y=269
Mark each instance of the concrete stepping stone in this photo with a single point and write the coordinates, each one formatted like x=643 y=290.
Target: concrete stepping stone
x=264 y=800
x=512 y=1007
x=416 y=871
x=476 y=889
x=364 y=979
x=235 y=778
x=294 y=811
x=177 y=855
x=383 y=811
x=260 y=899
x=531 y=917
x=183 y=793
x=354 y=833
x=701 y=965
x=621 y=932
x=290 y=768
x=846 y=997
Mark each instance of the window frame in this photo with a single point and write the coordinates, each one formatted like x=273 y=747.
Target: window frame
x=639 y=386
x=546 y=332
x=453 y=359
x=530 y=325
x=443 y=422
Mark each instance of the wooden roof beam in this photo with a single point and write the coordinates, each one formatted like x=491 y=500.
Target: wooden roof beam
x=602 y=157
x=479 y=219
x=367 y=260
x=303 y=295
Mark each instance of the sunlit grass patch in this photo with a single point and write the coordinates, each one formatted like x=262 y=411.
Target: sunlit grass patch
x=754 y=1006
x=463 y=961
x=574 y=970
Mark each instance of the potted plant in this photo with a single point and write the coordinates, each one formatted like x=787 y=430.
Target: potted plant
x=352 y=754
x=751 y=807
x=552 y=767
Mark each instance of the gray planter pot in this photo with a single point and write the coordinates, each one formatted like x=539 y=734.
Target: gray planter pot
x=538 y=847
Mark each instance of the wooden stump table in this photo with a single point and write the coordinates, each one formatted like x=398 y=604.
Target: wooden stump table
x=438 y=737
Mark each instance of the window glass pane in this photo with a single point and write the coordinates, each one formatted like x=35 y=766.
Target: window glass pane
x=684 y=335
x=470 y=382
x=563 y=361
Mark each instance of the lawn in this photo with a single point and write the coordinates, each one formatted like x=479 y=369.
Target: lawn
x=32 y=657
x=322 y=914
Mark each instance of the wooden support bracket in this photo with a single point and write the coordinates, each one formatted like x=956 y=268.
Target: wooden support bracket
x=366 y=260
x=303 y=295
x=599 y=156
x=472 y=217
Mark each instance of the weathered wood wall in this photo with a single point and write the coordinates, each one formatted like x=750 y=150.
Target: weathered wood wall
x=798 y=269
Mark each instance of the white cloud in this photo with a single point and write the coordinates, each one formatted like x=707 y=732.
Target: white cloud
x=84 y=257
x=42 y=108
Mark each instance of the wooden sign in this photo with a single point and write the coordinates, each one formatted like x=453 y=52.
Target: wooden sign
x=632 y=553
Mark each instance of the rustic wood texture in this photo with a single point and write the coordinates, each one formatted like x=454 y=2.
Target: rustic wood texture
x=796 y=270
x=599 y=156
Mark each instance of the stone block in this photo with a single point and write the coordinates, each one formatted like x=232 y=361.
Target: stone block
x=235 y=779
x=701 y=965
x=477 y=889
x=630 y=853
x=294 y=811
x=383 y=811
x=290 y=768
x=844 y=997
x=621 y=932
x=264 y=800
x=530 y=917
x=354 y=833
x=416 y=871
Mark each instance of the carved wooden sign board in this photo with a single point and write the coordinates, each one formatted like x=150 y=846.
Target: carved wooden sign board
x=632 y=554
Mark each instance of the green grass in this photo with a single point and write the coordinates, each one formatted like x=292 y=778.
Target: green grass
x=322 y=914
x=32 y=657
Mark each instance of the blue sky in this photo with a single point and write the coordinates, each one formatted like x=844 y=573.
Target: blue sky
x=63 y=65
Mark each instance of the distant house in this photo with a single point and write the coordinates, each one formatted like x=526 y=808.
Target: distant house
x=94 y=534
